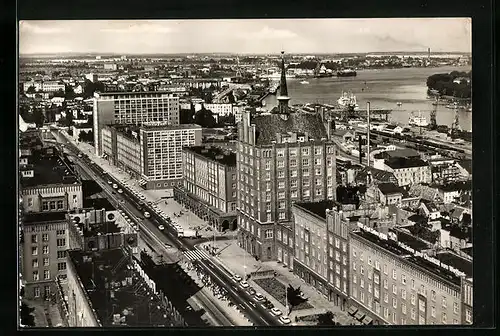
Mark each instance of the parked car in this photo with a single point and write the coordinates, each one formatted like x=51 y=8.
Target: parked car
x=236 y=277
x=120 y=191
x=276 y=312
x=161 y=227
x=285 y=319
x=251 y=291
x=269 y=305
x=244 y=284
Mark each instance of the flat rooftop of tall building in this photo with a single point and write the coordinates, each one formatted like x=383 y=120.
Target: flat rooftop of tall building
x=455 y=261
x=158 y=125
x=402 y=162
x=388 y=245
x=114 y=286
x=49 y=169
x=135 y=93
x=410 y=240
x=44 y=217
x=213 y=153
x=317 y=208
x=96 y=229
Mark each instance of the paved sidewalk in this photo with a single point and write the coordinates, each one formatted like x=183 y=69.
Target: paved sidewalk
x=238 y=261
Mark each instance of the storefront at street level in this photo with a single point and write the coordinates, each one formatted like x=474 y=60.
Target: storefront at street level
x=217 y=219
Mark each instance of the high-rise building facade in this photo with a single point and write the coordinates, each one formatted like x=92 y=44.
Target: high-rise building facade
x=282 y=157
x=133 y=108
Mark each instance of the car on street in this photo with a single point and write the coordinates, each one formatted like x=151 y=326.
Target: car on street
x=269 y=305
x=259 y=297
x=276 y=312
x=161 y=227
x=115 y=186
x=236 y=277
x=244 y=284
x=147 y=214
x=251 y=290
x=149 y=203
x=285 y=319
x=109 y=182
x=120 y=191
x=142 y=197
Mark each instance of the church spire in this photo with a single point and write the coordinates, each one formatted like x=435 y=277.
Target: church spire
x=283 y=96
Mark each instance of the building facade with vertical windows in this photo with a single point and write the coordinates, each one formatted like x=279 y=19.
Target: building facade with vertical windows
x=391 y=283
x=285 y=243
x=151 y=151
x=44 y=245
x=133 y=108
x=209 y=185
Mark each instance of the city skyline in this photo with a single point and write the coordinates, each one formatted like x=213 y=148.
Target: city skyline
x=262 y=36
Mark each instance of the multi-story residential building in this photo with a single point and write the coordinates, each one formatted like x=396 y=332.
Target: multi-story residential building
x=393 y=283
x=44 y=86
x=282 y=157
x=467 y=300
x=209 y=187
x=133 y=108
x=406 y=170
x=152 y=150
x=43 y=252
x=220 y=109
x=49 y=182
x=285 y=243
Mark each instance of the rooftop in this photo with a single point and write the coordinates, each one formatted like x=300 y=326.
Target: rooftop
x=44 y=217
x=147 y=126
x=134 y=93
x=456 y=186
x=410 y=240
x=377 y=175
x=400 y=162
x=49 y=168
x=266 y=126
x=96 y=229
x=115 y=287
x=317 y=208
x=399 y=153
x=392 y=246
x=389 y=188
x=215 y=154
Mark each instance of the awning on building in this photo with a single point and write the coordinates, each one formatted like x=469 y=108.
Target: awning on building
x=352 y=310
x=367 y=320
x=359 y=315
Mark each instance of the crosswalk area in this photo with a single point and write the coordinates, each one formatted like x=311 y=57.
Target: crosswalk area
x=196 y=255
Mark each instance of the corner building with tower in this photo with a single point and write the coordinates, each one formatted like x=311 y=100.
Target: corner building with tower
x=283 y=156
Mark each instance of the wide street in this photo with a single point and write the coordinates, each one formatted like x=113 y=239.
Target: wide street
x=218 y=273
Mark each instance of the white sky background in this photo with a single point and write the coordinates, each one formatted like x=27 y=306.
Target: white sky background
x=246 y=36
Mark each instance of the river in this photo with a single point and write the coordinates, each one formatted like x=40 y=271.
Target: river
x=383 y=89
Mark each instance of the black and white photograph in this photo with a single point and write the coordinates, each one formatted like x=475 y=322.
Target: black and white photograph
x=245 y=173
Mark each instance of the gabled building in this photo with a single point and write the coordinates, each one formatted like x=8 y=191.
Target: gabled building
x=282 y=157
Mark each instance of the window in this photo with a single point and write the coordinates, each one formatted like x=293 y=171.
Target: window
x=386 y=297
x=394 y=303
x=386 y=284
x=385 y=268
x=60 y=205
x=36 y=292
x=61 y=254
x=386 y=312
x=362 y=283
x=433 y=311
x=337 y=269
x=318 y=171
x=412 y=283
x=433 y=295
x=455 y=307
x=317 y=151
x=412 y=299
x=376 y=292
x=361 y=269
x=376 y=278
x=305 y=151
x=354 y=278
x=305 y=172
x=403 y=279
x=394 y=274
x=34 y=263
x=353 y=265
x=46 y=275
x=61 y=266
x=60 y=232
x=403 y=321
x=46 y=261
x=61 y=242
x=36 y=277
x=377 y=307
x=34 y=239
x=403 y=294
x=355 y=292
x=269 y=234
x=45 y=206
x=394 y=320
x=443 y=318
x=337 y=282
x=443 y=302
x=305 y=162
x=394 y=289
x=369 y=261
x=45 y=249
x=403 y=308
x=45 y=237
x=468 y=316
x=354 y=253
x=34 y=250
x=369 y=287
x=344 y=247
x=421 y=320
x=412 y=313
x=362 y=297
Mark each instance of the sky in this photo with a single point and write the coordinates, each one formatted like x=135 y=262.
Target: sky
x=261 y=36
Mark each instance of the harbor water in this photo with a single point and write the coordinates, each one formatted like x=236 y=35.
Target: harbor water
x=383 y=88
